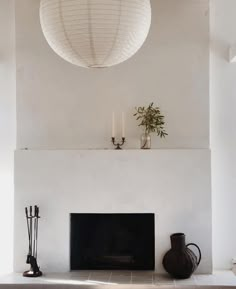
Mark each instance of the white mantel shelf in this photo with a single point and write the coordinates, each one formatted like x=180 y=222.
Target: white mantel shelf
x=112 y=149
x=86 y=279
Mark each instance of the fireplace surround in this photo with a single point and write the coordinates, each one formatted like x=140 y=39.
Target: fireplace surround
x=173 y=184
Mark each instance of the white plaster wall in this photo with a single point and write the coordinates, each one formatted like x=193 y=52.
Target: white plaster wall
x=173 y=184
x=60 y=106
x=223 y=134
x=7 y=132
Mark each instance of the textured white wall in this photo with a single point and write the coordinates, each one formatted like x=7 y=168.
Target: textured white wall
x=223 y=133
x=63 y=106
x=173 y=184
x=7 y=132
x=60 y=106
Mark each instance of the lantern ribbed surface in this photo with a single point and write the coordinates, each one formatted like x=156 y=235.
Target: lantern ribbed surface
x=95 y=33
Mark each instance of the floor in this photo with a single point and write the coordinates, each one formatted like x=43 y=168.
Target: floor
x=102 y=278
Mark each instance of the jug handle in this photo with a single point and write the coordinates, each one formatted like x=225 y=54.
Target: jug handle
x=199 y=251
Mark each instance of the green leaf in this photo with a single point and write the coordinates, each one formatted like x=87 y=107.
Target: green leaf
x=151 y=119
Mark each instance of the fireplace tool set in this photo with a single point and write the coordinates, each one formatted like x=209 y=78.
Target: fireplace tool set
x=32 y=218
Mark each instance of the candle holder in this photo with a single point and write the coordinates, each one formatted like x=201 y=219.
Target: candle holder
x=117 y=144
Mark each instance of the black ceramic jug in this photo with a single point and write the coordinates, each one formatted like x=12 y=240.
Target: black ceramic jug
x=180 y=262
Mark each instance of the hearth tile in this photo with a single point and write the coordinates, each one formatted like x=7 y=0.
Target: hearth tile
x=148 y=274
x=211 y=287
x=65 y=282
x=120 y=280
x=189 y=281
x=142 y=278
x=205 y=279
x=23 y=286
x=100 y=273
x=224 y=280
x=163 y=279
x=80 y=273
x=100 y=277
x=71 y=276
x=186 y=285
x=141 y=281
x=60 y=286
x=98 y=280
x=121 y=273
x=79 y=278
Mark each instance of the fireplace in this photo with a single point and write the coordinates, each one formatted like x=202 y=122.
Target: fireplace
x=112 y=242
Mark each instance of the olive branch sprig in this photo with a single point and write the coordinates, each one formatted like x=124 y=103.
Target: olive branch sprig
x=151 y=119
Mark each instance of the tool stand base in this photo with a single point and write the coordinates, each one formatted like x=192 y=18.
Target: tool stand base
x=31 y=273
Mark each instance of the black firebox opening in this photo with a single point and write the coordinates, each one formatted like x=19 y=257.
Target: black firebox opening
x=112 y=242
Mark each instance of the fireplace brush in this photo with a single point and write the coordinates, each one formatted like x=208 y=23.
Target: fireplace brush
x=32 y=228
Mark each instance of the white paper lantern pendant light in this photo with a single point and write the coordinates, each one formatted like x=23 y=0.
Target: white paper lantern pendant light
x=95 y=33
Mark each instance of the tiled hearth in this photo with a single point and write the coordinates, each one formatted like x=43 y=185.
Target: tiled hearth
x=123 y=278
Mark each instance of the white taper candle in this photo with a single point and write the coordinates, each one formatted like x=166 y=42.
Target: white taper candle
x=123 y=124
x=113 y=133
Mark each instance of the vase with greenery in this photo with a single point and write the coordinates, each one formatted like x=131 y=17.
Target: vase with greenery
x=151 y=119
